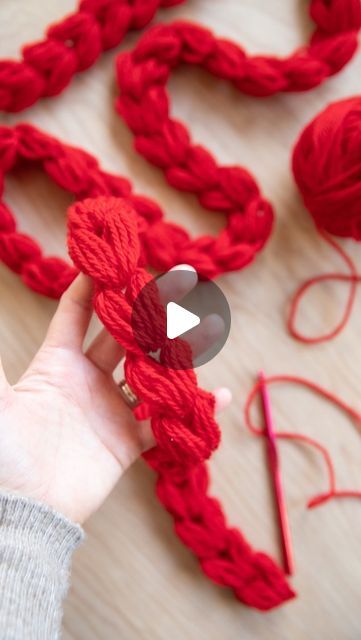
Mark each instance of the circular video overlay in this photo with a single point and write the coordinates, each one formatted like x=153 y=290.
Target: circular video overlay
x=181 y=319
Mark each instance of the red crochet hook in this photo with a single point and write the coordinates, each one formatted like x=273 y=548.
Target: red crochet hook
x=275 y=471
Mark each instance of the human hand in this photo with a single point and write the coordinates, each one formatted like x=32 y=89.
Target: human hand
x=66 y=433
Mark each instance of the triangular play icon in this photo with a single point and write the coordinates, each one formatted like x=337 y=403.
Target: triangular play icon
x=179 y=320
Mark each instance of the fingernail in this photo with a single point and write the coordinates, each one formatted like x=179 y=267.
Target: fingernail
x=223 y=397
x=183 y=267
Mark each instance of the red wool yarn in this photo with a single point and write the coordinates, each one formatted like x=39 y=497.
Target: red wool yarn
x=71 y=46
x=326 y=166
x=103 y=242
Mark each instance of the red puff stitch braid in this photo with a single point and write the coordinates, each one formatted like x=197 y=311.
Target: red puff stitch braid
x=103 y=242
x=71 y=46
x=80 y=174
x=144 y=104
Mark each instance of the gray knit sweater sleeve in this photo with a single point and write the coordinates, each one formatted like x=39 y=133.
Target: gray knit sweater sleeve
x=36 y=546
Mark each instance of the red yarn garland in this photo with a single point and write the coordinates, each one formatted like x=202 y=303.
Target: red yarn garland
x=75 y=43
x=144 y=72
x=103 y=242
x=79 y=173
x=143 y=102
x=71 y=46
x=142 y=75
x=114 y=234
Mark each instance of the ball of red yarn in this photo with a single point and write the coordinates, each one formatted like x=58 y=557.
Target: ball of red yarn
x=327 y=168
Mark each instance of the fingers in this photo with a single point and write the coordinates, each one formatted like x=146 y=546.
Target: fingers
x=205 y=336
x=176 y=283
x=71 y=320
x=105 y=352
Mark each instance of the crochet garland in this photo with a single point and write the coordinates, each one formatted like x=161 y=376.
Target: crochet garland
x=144 y=103
x=79 y=173
x=108 y=240
x=74 y=44
x=103 y=243
x=70 y=46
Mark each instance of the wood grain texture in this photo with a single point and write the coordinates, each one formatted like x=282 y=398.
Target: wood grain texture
x=133 y=579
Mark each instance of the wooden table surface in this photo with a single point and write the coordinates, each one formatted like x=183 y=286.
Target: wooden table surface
x=133 y=579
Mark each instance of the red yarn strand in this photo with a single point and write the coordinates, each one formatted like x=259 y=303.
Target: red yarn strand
x=353 y=278
x=331 y=397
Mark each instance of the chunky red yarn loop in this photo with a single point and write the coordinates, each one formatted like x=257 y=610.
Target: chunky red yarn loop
x=103 y=242
x=80 y=174
x=71 y=46
x=326 y=166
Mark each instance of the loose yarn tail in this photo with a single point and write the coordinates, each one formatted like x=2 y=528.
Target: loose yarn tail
x=353 y=278
x=332 y=491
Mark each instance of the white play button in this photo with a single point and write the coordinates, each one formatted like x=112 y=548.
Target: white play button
x=179 y=320
x=198 y=315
